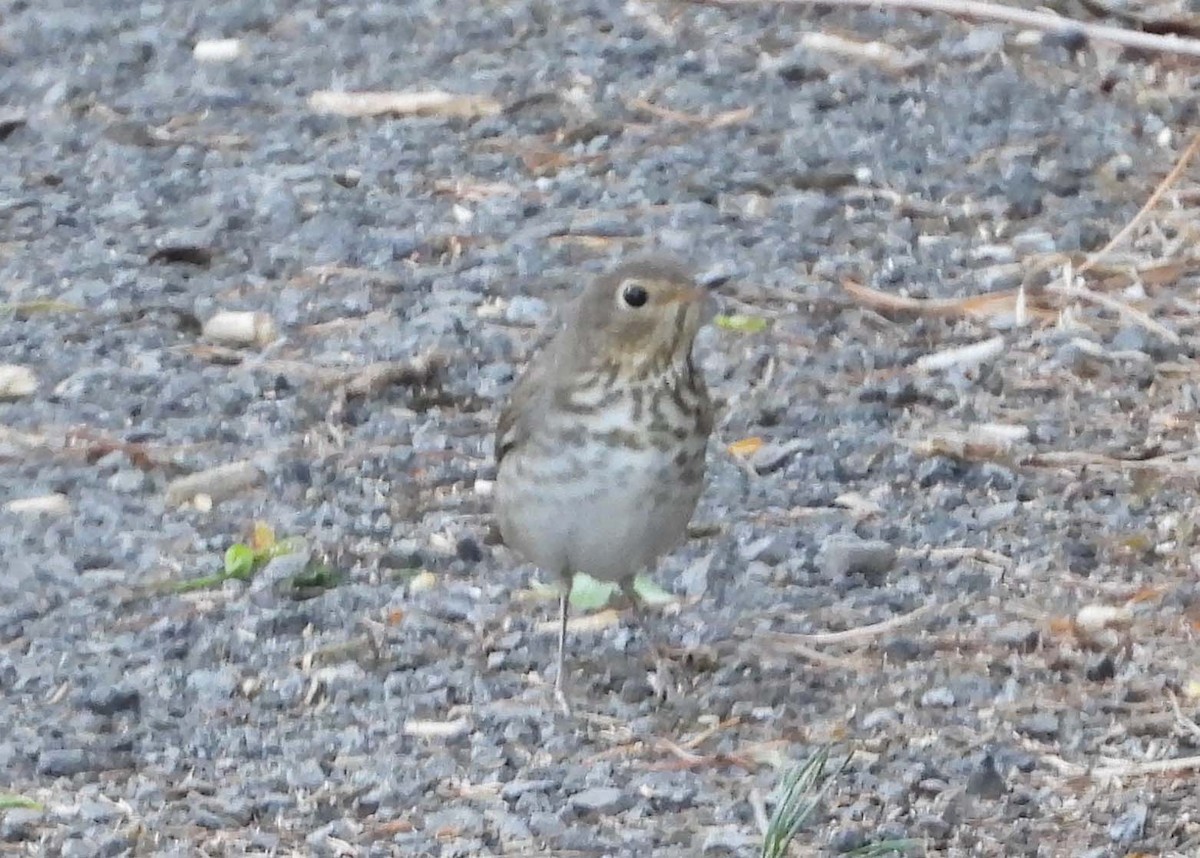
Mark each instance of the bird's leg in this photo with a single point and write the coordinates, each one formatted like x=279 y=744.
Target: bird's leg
x=564 y=603
x=662 y=680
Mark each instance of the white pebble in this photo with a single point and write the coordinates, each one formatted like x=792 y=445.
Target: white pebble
x=217 y=50
x=240 y=328
x=16 y=381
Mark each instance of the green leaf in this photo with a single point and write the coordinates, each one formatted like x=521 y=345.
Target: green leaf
x=650 y=593
x=742 y=324
x=588 y=594
x=317 y=576
x=10 y=801
x=239 y=561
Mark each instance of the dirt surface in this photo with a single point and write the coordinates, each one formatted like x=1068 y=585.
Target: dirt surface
x=1018 y=515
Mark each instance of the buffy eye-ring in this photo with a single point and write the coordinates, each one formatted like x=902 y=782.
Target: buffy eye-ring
x=634 y=295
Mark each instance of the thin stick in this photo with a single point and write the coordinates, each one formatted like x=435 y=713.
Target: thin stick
x=1170 y=179
x=1087 y=459
x=980 y=11
x=794 y=647
x=851 y=635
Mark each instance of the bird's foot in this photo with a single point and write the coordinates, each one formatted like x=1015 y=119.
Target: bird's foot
x=560 y=698
x=662 y=678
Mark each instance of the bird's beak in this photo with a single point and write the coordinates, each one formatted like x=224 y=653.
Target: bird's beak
x=714 y=279
x=708 y=283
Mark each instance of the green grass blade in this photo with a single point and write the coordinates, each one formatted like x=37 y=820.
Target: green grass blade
x=800 y=792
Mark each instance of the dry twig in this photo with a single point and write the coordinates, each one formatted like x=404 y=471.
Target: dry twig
x=1078 y=290
x=981 y=11
x=861 y=633
x=1170 y=179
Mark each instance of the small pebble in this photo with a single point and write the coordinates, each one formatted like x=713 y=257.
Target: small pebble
x=238 y=328
x=940 y=697
x=16 y=381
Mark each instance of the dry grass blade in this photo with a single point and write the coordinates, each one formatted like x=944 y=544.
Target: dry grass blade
x=1076 y=290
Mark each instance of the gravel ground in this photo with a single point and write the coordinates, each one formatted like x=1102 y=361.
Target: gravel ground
x=1038 y=587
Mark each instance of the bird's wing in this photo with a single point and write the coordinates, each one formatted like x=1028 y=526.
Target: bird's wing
x=514 y=427
x=535 y=384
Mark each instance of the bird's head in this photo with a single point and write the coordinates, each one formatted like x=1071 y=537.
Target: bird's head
x=643 y=315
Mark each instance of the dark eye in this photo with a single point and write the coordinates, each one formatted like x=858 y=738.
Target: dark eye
x=635 y=295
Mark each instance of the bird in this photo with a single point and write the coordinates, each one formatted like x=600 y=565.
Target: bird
x=601 y=446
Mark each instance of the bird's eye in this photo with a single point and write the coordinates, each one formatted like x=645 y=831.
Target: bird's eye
x=635 y=295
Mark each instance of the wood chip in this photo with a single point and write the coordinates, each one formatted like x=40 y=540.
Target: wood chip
x=428 y=103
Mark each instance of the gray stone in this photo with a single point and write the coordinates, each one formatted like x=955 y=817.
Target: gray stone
x=515 y=789
x=20 y=823
x=599 y=800
x=985 y=780
x=66 y=762
x=842 y=555
x=111 y=699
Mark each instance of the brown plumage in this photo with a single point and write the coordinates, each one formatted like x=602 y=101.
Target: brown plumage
x=600 y=449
